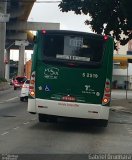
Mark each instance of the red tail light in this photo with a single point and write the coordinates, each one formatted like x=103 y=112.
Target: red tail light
x=106 y=37
x=44 y=31
x=71 y=64
x=16 y=81
x=107 y=82
x=107 y=89
x=107 y=93
x=32 y=85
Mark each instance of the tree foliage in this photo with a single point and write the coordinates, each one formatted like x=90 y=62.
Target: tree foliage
x=111 y=17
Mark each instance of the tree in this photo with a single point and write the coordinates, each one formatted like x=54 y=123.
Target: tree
x=111 y=17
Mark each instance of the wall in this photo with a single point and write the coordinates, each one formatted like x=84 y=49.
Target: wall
x=121 y=76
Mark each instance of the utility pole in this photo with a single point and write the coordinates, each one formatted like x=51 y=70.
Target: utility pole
x=7 y=64
x=3 y=19
x=21 y=45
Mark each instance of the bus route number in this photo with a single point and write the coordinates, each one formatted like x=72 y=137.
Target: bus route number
x=90 y=75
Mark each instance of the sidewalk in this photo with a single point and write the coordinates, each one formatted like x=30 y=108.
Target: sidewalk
x=4 y=86
x=123 y=105
x=121 y=101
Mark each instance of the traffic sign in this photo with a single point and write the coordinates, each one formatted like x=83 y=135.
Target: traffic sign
x=4 y=17
x=21 y=43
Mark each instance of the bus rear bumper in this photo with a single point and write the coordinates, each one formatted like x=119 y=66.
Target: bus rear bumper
x=31 y=106
x=68 y=109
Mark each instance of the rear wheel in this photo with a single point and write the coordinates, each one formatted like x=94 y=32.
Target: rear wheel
x=47 y=118
x=103 y=123
x=26 y=98
x=15 y=88
x=21 y=99
x=42 y=118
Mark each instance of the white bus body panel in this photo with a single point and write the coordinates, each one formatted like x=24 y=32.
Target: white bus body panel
x=68 y=109
x=32 y=105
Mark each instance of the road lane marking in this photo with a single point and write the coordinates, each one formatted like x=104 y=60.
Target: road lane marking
x=11 y=99
x=33 y=119
x=129 y=130
x=26 y=123
x=16 y=128
x=4 y=133
x=8 y=100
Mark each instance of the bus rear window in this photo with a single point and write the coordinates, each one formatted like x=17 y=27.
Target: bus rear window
x=73 y=48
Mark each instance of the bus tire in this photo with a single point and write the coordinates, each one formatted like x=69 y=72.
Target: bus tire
x=42 y=118
x=103 y=123
x=47 y=118
x=52 y=119
x=21 y=99
x=26 y=99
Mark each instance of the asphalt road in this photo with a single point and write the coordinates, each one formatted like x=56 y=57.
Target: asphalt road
x=21 y=133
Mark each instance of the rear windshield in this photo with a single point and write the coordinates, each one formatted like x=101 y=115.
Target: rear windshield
x=27 y=81
x=73 y=48
x=21 y=79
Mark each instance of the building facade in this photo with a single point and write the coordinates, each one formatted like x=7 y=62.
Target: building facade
x=122 y=70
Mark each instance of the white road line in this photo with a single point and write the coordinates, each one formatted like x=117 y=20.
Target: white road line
x=130 y=132
x=16 y=128
x=26 y=123
x=11 y=99
x=128 y=129
x=4 y=133
x=33 y=119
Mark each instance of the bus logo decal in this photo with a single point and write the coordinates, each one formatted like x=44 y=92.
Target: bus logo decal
x=51 y=73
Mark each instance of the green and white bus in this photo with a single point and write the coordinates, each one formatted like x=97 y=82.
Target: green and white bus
x=71 y=75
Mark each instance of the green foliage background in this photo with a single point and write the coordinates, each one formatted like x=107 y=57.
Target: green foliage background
x=111 y=17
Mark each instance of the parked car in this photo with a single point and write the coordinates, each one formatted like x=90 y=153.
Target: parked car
x=24 y=91
x=19 y=81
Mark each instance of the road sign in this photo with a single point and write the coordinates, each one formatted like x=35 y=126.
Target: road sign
x=21 y=43
x=4 y=17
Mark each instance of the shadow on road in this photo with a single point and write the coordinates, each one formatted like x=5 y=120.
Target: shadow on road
x=66 y=125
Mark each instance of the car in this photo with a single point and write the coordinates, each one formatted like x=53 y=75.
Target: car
x=18 y=81
x=24 y=91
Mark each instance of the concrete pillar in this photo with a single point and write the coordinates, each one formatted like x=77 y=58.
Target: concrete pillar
x=7 y=64
x=21 y=60
x=3 y=6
